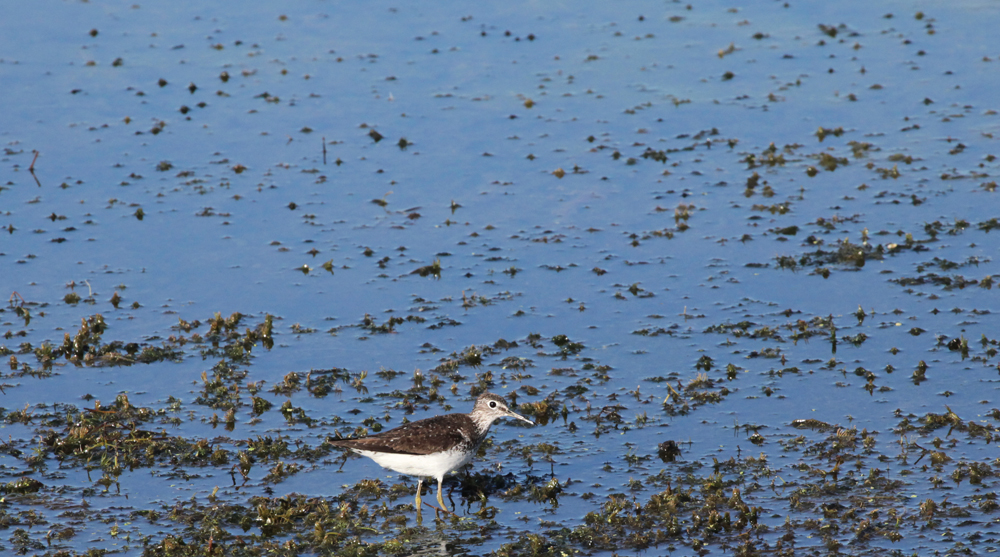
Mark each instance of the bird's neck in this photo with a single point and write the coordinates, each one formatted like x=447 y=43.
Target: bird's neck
x=482 y=421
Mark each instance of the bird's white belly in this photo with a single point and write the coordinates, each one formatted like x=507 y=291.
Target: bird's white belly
x=435 y=465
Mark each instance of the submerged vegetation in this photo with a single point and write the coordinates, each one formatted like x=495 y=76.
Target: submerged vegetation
x=691 y=503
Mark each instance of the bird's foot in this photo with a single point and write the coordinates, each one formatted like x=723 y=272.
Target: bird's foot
x=441 y=509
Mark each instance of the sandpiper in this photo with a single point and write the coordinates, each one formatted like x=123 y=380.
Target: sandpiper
x=434 y=446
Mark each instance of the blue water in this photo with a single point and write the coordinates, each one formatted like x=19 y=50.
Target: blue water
x=235 y=193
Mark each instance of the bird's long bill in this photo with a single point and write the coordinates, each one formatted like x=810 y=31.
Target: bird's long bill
x=520 y=417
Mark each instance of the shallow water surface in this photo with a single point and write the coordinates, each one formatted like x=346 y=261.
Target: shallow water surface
x=765 y=233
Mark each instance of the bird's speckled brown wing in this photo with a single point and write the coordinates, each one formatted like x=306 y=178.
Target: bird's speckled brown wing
x=432 y=435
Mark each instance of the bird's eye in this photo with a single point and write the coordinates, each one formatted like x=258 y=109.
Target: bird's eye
x=493 y=404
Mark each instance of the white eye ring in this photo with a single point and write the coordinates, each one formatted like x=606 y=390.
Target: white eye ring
x=493 y=404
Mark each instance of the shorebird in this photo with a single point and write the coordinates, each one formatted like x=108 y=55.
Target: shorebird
x=434 y=446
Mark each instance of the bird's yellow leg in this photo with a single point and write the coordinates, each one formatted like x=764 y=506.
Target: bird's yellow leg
x=420 y=484
x=440 y=500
